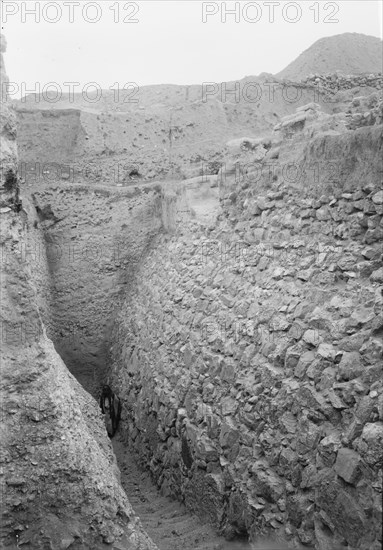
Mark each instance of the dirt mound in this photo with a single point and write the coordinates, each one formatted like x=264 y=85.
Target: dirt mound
x=348 y=53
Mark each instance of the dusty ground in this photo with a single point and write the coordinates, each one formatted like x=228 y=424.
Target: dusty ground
x=166 y=521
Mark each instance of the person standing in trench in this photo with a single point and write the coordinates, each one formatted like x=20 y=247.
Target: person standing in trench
x=111 y=408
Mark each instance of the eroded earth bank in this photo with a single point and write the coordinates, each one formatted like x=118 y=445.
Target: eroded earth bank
x=237 y=315
x=60 y=484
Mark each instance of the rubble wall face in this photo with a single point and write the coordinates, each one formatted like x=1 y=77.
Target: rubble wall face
x=340 y=82
x=249 y=362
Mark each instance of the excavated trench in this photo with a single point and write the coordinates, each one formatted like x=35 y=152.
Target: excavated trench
x=289 y=449
x=93 y=241
x=252 y=427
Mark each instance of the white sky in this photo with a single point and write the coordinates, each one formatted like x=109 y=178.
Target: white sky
x=170 y=43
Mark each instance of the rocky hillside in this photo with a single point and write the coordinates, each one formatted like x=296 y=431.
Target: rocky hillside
x=348 y=53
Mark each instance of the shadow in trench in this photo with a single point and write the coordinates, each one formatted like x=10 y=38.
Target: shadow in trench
x=87 y=361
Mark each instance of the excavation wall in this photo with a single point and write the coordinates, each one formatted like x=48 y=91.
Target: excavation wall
x=160 y=131
x=249 y=355
x=247 y=352
x=59 y=480
x=58 y=467
x=94 y=239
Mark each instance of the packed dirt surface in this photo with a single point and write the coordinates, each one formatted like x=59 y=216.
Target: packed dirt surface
x=166 y=520
x=168 y=523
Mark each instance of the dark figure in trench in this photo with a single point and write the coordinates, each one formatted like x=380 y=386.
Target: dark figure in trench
x=111 y=408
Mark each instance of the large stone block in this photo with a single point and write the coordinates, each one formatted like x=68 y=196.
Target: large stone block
x=298 y=508
x=205 y=495
x=370 y=444
x=308 y=436
x=348 y=465
x=206 y=450
x=304 y=362
x=346 y=514
x=267 y=484
x=229 y=439
x=328 y=448
x=350 y=366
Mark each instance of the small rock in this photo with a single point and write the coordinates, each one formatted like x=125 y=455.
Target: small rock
x=323 y=214
x=377 y=276
x=326 y=351
x=305 y=360
x=335 y=401
x=312 y=337
x=65 y=543
x=15 y=481
x=378 y=198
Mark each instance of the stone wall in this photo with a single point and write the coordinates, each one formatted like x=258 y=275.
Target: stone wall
x=365 y=111
x=249 y=356
x=310 y=151
x=338 y=82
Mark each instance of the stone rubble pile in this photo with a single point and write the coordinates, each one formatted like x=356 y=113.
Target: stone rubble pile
x=337 y=82
x=365 y=111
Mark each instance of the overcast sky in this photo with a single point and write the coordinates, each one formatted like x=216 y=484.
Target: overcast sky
x=170 y=42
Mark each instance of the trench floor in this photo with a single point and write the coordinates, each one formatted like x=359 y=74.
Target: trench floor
x=170 y=525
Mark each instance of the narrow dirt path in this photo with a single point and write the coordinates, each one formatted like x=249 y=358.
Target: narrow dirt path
x=166 y=521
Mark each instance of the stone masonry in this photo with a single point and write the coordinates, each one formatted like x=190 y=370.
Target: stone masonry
x=249 y=357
